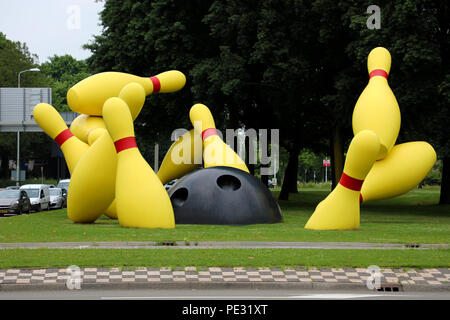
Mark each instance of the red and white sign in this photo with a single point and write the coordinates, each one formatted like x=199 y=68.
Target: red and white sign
x=326 y=163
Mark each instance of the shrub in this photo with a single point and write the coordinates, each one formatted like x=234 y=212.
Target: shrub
x=433 y=178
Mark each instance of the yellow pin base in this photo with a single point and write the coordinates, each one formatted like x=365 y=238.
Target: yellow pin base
x=181 y=157
x=111 y=212
x=339 y=211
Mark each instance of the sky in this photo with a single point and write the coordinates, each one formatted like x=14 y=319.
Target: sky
x=50 y=27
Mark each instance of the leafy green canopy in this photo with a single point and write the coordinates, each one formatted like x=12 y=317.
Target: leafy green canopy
x=63 y=72
x=15 y=57
x=295 y=65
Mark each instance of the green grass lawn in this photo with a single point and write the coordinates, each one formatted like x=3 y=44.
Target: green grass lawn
x=412 y=258
x=412 y=218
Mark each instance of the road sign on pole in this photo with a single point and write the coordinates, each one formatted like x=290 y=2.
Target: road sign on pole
x=326 y=163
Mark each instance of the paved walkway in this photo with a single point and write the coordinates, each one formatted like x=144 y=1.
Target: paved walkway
x=391 y=279
x=218 y=245
x=191 y=277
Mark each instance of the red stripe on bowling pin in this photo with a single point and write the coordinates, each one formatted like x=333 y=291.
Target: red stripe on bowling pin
x=63 y=137
x=156 y=84
x=378 y=72
x=351 y=183
x=208 y=132
x=125 y=143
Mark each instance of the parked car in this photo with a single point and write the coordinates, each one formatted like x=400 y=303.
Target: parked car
x=12 y=188
x=64 y=193
x=14 y=201
x=64 y=184
x=39 y=195
x=170 y=184
x=57 y=198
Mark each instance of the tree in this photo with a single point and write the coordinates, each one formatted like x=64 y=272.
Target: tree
x=295 y=65
x=417 y=34
x=63 y=72
x=146 y=38
x=309 y=161
x=267 y=72
x=15 y=57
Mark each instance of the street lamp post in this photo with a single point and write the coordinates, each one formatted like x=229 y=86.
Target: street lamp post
x=18 y=77
x=18 y=130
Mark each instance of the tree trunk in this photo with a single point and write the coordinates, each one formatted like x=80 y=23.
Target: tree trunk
x=445 y=182
x=265 y=180
x=294 y=173
x=290 y=175
x=4 y=169
x=337 y=157
x=250 y=166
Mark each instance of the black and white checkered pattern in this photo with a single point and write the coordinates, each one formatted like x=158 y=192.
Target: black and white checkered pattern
x=432 y=277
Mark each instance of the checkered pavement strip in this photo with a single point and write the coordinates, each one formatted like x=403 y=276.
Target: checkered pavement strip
x=214 y=274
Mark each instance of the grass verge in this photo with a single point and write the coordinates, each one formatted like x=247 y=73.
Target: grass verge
x=412 y=218
x=14 y=258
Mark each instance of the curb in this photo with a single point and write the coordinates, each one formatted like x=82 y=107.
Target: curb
x=219 y=245
x=221 y=285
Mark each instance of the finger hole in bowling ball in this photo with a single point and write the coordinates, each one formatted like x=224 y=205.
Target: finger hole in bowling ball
x=179 y=197
x=228 y=183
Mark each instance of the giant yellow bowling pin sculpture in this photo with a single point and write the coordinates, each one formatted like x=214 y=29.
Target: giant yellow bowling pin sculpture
x=340 y=210
x=183 y=156
x=53 y=125
x=89 y=95
x=141 y=200
x=215 y=151
x=374 y=167
x=92 y=186
x=83 y=125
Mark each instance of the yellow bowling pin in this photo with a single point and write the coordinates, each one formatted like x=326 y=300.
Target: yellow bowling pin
x=340 y=210
x=85 y=127
x=402 y=170
x=89 y=95
x=181 y=157
x=141 y=200
x=92 y=185
x=83 y=124
x=215 y=151
x=377 y=109
x=111 y=211
x=53 y=125
x=133 y=94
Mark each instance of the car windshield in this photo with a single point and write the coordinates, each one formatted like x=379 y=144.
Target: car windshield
x=55 y=192
x=9 y=194
x=63 y=185
x=32 y=193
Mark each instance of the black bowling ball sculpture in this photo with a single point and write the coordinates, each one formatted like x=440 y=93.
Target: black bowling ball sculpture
x=223 y=196
x=220 y=193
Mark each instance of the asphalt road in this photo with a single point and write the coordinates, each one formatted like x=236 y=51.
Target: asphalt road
x=218 y=294
x=6 y=215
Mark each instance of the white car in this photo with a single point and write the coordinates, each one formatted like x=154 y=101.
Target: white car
x=169 y=184
x=64 y=184
x=57 y=198
x=39 y=195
